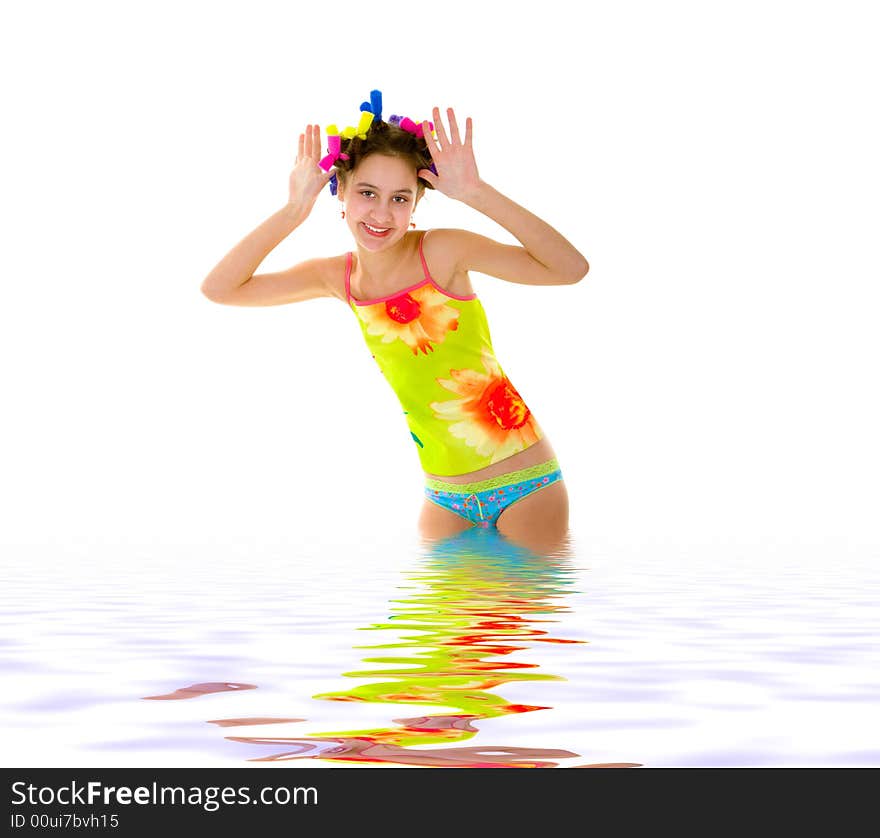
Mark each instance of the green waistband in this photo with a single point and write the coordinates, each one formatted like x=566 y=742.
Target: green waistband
x=493 y=482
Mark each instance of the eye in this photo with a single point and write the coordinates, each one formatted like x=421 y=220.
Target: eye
x=400 y=198
x=366 y=192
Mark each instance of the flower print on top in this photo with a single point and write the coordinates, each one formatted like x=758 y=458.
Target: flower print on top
x=435 y=351
x=490 y=415
x=419 y=317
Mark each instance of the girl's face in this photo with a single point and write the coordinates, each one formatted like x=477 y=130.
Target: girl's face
x=380 y=196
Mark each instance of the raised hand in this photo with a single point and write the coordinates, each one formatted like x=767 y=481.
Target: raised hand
x=457 y=174
x=307 y=178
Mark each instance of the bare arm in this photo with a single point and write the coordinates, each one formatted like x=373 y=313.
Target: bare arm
x=238 y=266
x=545 y=258
x=233 y=282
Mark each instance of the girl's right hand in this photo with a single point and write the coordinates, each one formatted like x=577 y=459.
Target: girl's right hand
x=307 y=178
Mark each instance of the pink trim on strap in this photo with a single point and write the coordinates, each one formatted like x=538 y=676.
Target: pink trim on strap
x=431 y=279
x=393 y=296
x=428 y=278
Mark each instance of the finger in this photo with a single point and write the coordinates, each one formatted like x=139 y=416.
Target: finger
x=453 y=126
x=429 y=139
x=302 y=146
x=441 y=131
x=316 y=148
x=469 y=132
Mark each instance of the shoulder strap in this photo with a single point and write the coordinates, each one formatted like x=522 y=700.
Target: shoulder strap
x=348 y=277
x=422 y=256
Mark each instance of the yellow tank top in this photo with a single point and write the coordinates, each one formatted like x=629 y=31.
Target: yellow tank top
x=435 y=351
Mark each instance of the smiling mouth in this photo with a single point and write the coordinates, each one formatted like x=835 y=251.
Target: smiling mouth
x=376 y=232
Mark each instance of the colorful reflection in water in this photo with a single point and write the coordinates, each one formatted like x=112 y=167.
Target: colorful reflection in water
x=477 y=600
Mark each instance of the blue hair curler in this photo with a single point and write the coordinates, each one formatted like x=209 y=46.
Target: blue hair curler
x=374 y=106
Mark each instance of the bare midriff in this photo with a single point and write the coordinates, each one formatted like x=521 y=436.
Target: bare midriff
x=540 y=452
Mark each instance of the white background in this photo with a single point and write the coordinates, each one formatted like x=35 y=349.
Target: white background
x=713 y=380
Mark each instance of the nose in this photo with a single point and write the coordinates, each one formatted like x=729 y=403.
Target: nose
x=383 y=213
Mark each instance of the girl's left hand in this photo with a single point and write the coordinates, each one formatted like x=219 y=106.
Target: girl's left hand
x=457 y=174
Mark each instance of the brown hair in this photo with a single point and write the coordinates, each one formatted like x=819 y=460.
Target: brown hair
x=388 y=139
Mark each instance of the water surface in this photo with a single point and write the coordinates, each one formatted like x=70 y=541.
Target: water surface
x=468 y=652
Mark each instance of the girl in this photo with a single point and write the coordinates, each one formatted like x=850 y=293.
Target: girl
x=486 y=460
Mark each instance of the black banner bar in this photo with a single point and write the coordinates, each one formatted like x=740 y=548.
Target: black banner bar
x=138 y=801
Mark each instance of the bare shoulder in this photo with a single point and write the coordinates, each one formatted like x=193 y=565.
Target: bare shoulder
x=442 y=249
x=460 y=251
x=334 y=276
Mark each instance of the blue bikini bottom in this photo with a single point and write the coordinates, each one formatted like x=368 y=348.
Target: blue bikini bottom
x=482 y=502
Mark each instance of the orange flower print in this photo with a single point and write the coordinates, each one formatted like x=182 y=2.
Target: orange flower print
x=490 y=415
x=418 y=317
